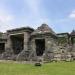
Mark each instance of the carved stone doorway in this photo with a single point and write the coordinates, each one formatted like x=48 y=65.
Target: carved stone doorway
x=40 y=46
x=17 y=43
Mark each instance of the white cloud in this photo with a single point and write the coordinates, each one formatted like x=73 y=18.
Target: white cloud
x=72 y=14
x=34 y=6
x=5 y=20
x=37 y=14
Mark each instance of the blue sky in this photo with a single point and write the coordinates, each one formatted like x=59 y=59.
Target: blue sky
x=58 y=14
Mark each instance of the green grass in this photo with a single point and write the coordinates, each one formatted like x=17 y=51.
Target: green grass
x=58 y=68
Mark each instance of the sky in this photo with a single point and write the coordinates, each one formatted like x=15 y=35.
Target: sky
x=58 y=14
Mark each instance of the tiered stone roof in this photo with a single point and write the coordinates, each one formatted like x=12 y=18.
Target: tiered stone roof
x=73 y=33
x=43 y=29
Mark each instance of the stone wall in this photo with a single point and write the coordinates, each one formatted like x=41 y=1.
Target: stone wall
x=53 y=51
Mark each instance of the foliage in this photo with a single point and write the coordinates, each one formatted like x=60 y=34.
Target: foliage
x=62 y=40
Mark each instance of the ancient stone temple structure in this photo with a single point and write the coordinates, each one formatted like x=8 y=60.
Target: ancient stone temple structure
x=28 y=44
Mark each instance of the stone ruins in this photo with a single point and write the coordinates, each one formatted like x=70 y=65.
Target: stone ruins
x=27 y=44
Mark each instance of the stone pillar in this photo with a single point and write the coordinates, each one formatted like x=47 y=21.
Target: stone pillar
x=33 y=46
x=45 y=44
x=8 y=54
x=26 y=38
x=48 y=44
x=8 y=44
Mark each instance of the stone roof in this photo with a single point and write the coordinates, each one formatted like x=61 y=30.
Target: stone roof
x=72 y=33
x=21 y=29
x=63 y=35
x=44 y=28
x=3 y=35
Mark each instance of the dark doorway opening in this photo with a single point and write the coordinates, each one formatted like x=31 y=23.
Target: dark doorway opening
x=40 y=46
x=2 y=47
x=17 y=43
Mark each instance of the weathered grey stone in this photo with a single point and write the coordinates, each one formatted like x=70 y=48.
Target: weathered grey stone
x=8 y=55
x=23 y=56
x=42 y=44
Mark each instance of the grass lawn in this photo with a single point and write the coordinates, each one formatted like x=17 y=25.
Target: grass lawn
x=55 y=68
